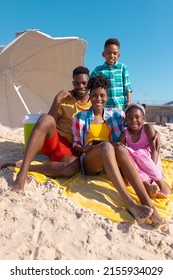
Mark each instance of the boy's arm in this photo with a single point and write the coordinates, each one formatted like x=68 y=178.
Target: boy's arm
x=126 y=85
x=129 y=99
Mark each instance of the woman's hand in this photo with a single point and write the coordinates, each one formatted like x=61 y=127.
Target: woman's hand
x=85 y=149
x=88 y=147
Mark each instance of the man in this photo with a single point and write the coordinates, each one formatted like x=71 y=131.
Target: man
x=52 y=134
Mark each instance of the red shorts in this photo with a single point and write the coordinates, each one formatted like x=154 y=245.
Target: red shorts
x=57 y=147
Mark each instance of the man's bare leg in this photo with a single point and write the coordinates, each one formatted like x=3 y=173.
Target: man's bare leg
x=44 y=128
x=66 y=167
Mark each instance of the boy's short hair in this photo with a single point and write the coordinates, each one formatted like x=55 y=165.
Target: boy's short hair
x=112 y=41
x=98 y=81
x=80 y=70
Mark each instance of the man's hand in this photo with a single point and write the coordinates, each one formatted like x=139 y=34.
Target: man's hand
x=54 y=108
x=62 y=95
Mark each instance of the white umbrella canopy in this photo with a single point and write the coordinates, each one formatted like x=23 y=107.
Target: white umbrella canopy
x=33 y=68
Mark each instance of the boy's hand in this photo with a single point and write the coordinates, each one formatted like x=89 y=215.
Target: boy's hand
x=127 y=104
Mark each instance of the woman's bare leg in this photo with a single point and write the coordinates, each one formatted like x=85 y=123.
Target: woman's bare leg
x=103 y=156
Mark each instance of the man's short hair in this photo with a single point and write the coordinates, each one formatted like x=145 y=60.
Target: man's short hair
x=80 y=70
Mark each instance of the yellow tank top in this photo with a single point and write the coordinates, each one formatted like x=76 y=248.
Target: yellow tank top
x=98 y=132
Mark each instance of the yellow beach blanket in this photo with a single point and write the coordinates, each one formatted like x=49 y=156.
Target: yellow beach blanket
x=99 y=195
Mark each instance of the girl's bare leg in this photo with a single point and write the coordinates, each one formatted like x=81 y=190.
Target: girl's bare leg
x=151 y=189
x=129 y=170
x=161 y=190
x=165 y=191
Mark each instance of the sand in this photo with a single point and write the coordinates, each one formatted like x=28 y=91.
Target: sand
x=44 y=225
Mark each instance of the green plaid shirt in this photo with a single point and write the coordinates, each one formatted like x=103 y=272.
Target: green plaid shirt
x=118 y=77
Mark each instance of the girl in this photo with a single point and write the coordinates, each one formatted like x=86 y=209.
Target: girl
x=105 y=125
x=138 y=138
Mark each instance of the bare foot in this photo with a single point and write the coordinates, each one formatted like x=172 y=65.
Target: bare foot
x=17 y=188
x=18 y=184
x=140 y=212
x=13 y=164
x=151 y=189
x=165 y=189
x=159 y=195
x=156 y=218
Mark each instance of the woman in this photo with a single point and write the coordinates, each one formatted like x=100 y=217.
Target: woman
x=103 y=126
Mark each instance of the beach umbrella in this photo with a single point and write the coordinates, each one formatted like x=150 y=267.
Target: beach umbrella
x=33 y=68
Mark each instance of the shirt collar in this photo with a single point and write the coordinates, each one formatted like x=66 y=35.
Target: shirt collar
x=105 y=113
x=113 y=66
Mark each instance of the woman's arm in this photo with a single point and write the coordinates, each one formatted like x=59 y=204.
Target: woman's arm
x=81 y=149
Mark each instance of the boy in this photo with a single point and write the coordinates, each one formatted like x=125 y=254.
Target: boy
x=119 y=91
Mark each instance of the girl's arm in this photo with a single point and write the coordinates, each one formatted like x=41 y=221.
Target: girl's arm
x=122 y=140
x=150 y=132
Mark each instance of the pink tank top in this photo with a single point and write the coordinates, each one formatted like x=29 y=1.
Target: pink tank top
x=142 y=143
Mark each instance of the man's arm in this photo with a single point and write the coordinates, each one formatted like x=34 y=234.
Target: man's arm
x=58 y=98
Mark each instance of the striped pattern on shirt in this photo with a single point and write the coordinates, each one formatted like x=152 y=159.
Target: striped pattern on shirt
x=118 y=77
x=81 y=124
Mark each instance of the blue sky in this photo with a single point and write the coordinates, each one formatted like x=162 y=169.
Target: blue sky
x=143 y=27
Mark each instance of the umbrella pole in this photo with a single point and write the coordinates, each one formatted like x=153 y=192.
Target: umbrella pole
x=17 y=90
x=18 y=93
